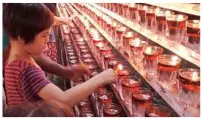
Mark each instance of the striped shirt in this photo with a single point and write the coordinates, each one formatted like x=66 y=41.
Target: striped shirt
x=23 y=81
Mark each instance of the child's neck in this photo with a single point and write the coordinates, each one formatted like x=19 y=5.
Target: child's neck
x=18 y=52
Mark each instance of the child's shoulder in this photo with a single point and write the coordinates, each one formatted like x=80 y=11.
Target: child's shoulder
x=18 y=64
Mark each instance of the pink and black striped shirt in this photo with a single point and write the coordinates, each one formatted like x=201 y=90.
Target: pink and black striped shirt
x=23 y=81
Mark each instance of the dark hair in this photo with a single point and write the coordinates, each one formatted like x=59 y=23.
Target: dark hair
x=25 y=20
x=38 y=109
x=51 y=6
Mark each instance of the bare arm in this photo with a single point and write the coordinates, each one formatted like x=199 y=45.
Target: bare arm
x=67 y=72
x=48 y=65
x=63 y=20
x=74 y=95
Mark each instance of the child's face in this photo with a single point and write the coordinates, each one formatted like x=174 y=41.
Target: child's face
x=40 y=41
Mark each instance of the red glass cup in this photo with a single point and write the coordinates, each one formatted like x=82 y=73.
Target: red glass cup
x=121 y=71
x=127 y=37
x=133 y=12
x=98 y=46
x=119 y=33
x=89 y=61
x=106 y=50
x=168 y=66
x=150 y=19
x=157 y=111
x=105 y=98
x=113 y=63
x=93 y=66
x=193 y=35
x=136 y=48
x=176 y=27
x=113 y=29
x=125 y=10
x=112 y=110
x=142 y=99
x=189 y=89
x=129 y=84
x=151 y=54
x=142 y=15
x=108 y=58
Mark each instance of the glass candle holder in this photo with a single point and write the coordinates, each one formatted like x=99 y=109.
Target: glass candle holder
x=105 y=98
x=150 y=19
x=133 y=12
x=106 y=50
x=142 y=15
x=193 y=35
x=125 y=10
x=127 y=37
x=113 y=63
x=119 y=32
x=112 y=110
x=168 y=66
x=121 y=71
x=150 y=59
x=160 y=22
x=142 y=99
x=157 y=111
x=108 y=58
x=176 y=27
x=98 y=47
x=113 y=29
x=189 y=89
x=128 y=86
x=136 y=47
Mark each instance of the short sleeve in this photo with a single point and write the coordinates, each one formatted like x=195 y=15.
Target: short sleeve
x=31 y=81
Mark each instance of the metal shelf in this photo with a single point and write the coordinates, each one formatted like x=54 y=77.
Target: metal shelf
x=193 y=9
x=168 y=97
x=113 y=89
x=178 y=49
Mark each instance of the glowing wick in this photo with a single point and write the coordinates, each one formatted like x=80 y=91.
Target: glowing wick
x=195 y=76
x=180 y=17
x=174 y=60
x=120 y=67
x=148 y=50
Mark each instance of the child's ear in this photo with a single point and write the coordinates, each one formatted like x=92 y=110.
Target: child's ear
x=21 y=40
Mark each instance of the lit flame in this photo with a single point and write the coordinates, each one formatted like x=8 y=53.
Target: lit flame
x=168 y=13
x=137 y=42
x=148 y=50
x=145 y=8
x=132 y=4
x=180 y=17
x=157 y=10
x=174 y=60
x=131 y=81
x=100 y=44
x=195 y=76
x=120 y=67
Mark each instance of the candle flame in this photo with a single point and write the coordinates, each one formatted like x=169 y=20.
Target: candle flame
x=180 y=17
x=132 y=4
x=136 y=42
x=174 y=60
x=120 y=67
x=145 y=8
x=195 y=76
x=168 y=13
x=100 y=44
x=148 y=50
x=157 y=10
